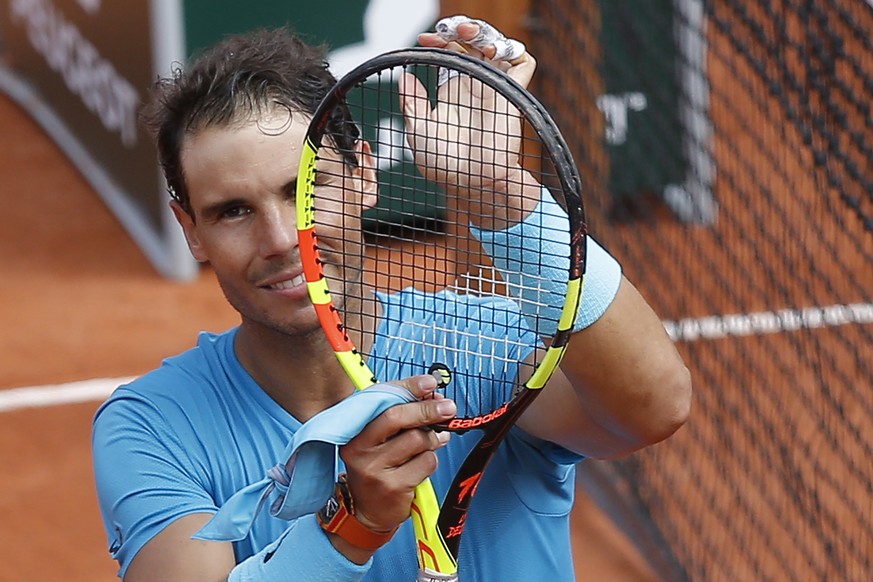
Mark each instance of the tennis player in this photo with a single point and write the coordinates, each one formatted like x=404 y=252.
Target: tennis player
x=171 y=447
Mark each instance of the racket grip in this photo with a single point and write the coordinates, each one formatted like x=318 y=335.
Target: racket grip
x=431 y=576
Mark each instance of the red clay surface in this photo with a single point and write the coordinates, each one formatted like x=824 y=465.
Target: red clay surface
x=79 y=301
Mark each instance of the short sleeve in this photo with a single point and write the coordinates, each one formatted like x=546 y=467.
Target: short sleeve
x=144 y=479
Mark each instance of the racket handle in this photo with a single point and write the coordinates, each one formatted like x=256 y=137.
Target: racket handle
x=435 y=561
x=431 y=576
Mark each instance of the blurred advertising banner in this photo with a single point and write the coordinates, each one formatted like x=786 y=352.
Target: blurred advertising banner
x=82 y=68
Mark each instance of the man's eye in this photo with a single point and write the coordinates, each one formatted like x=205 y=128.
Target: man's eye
x=234 y=212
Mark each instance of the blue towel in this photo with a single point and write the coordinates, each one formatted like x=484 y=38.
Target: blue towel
x=306 y=479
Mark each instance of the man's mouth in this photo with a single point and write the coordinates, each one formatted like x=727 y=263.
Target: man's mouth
x=287 y=284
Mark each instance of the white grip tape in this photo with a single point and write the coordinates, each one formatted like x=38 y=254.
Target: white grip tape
x=431 y=576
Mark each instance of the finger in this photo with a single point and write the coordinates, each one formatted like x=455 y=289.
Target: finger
x=468 y=32
x=447 y=74
x=421 y=386
x=486 y=39
x=459 y=48
x=413 y=100
x=423 y=413
x=409 y=444
x=522 y=69
x=372 y=496
x=432 y=40
x=396 y=419
x=371 y=452
x=420 y=467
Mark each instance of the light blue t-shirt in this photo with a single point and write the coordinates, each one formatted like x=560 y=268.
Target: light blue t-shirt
x=185 y=437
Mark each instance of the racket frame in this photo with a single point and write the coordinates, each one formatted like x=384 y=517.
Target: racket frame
x=437 y=530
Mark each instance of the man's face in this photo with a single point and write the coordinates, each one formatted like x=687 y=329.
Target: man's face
x=242 y=182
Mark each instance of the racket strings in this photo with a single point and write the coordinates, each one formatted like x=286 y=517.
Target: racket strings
x=481 y=339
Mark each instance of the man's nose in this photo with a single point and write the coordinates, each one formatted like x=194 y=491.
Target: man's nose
x=278 y=231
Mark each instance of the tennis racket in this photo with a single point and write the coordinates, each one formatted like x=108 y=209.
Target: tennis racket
x=404 y=288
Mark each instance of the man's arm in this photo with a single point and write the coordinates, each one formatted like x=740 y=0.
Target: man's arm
x=621 y=386
x=384 y=463
x=303 y=552
x=173 y=555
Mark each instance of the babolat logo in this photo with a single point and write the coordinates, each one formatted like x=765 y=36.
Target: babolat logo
x=462 y=423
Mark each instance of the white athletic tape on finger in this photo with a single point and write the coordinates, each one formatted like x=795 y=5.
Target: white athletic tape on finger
x=508 y=49
x=443 y=75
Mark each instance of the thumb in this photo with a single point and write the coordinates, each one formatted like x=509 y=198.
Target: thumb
x=421 y=386
x=522 y=69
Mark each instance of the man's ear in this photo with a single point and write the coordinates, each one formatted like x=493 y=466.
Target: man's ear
x=189 y=228
x=366 y=171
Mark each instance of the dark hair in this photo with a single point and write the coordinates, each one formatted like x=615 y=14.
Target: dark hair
x=241 y=76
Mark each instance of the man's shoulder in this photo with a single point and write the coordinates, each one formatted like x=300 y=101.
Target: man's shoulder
x=181 y=380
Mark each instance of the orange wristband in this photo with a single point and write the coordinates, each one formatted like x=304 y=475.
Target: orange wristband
x=338 y=517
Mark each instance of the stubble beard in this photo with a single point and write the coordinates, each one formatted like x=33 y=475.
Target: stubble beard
x=346 y=292
x=295 y=326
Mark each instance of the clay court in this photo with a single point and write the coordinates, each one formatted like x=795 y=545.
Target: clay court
x=79 y=301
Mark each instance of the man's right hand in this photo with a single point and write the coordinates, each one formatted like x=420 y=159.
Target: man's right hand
x=393 y=455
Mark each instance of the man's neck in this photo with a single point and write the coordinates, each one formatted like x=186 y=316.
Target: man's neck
x=299 y=372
